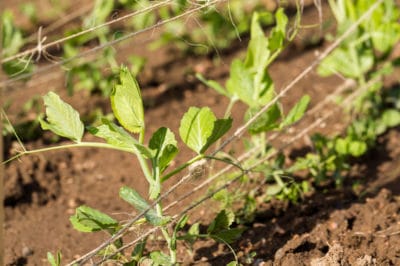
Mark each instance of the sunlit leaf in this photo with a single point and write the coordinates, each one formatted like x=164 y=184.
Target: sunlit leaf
x=297 y=111
x=357 y=148
x=391 y=117
x=126 y=102
x=118 y=137
x=214 y=85
x=164 y=143
x=133 y=198
x=87 y=219
x=196 y=127
x=160 y=259
x=266 y=122
x=61 y=118
x=54 y=261
x=221 y=126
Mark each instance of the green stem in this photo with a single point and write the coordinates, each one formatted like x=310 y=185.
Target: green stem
x=142 y=160
x=181 y=167
x=172 y=250
x=228 y=111
x=230 y=106
x=68 y=146
x=226 y=161
x=86 y=145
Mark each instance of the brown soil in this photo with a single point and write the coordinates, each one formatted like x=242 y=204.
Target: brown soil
x=348 y=226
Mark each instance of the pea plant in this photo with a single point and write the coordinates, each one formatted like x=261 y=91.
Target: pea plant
x=366 y=58
x=231 y=21
x=12 y=41
x=250 y=83
x=199 y=129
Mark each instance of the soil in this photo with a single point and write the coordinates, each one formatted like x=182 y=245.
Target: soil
x=353 y=225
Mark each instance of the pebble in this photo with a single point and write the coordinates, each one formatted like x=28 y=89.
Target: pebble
x=26 y=252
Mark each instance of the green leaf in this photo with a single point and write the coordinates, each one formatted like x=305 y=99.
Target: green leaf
x=61 y=118
x=240 y=83
x=278 y=33
x=199 y=128
x=357 y=148
x=126 y=102
x=12 y=39
x=137 y=253
x=386 y=36
x=54 y=261
x=347 y=146
x=133 y=198
x=119 y=138
x=160 y=258
x=192 y=234
x=87 y=219
x=227 y=235
x=297 y=111
x=273 y=189
x=214 y=85
x=179 y=226
x=102 y=9
x=164 y=143
x=222 y=221
x=196 y=127
x=251 y=84
x=257 y=52
x=221 y=126
x=391 y=117
x=341 y=146
x=351 y=63
x=266 y=122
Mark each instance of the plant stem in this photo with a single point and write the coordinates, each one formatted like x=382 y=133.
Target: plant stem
x=228 y=112
x=86 y=145
x=157 y=178
x=181 y=167
x=142 y=160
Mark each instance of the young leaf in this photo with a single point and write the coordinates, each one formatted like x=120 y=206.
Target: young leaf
x=251 y=84
x=221 y=126
x=297 y=111
x=87 y=219
x=214 y=85
x=118 y=137
x=196 y=127
x=227 y=235
x=137 y=253
x=391 y=117
x=191 y=235
x=279 y=31
x=54 y=261
x=199 y=128
x=61 y=118
x=240 y=83
x=160 y=258
x=222 y=221
x=133 y=198
x=357 y=148
x=126 y=102
x=267 y=121
x=257 y=52
x=220 y=229
x=179 y=226
x=164 y=143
